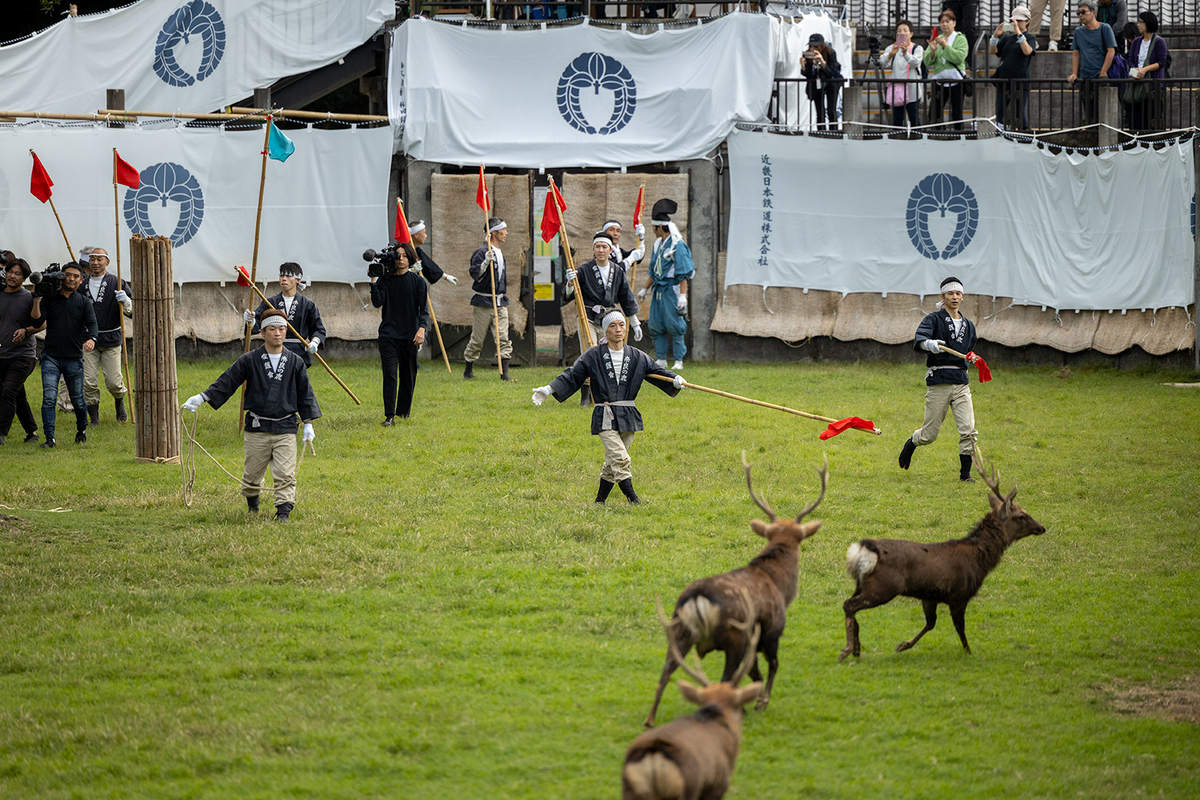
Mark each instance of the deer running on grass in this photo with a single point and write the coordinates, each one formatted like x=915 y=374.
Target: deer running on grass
x=693 y=757
x=705 y=610
x=941 y=572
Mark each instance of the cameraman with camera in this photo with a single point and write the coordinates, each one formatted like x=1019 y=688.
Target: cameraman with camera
x=70 y=332
x=404 y=297
x=17 y=353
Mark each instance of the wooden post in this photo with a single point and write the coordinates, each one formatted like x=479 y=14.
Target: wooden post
x=1110 y=117
x=852 y=110
x=156 y=393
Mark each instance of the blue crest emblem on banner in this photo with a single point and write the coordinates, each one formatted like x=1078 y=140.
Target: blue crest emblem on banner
x=941 y=193
x=196 y=18
x=596 y=71
x=162 y=183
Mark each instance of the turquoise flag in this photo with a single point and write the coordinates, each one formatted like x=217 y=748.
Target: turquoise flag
x=279 y=146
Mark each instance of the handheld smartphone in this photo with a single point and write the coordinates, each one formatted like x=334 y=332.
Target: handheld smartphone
x=934 y=35
x=901 y=39
x=1008 y=26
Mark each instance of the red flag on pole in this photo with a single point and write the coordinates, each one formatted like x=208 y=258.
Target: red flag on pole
x=985 y=374
x=401 y=234
x=39 y=182
x=481 y=193
x=639 y=205
x=243 y=277
x=843 y=425
x=125 y=173
x=551 y=218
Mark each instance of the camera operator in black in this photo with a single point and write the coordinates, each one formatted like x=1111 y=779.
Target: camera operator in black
x=70 y=332
x=302 y=313
x=17 y=347
x=404 y=297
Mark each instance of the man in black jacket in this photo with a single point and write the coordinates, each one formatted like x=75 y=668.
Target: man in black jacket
x=404 y=298
x=70 y=332
x=301 y=313
x=109 y=301
x=946 y=377
x=487 y=271
x=17 y=348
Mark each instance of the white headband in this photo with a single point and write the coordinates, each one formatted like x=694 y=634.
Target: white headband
x=601 y=237
x=499 y=226
x=274 y=319
x=612 y=223
x=420 y=226
x=609 y=317
x=953 y=286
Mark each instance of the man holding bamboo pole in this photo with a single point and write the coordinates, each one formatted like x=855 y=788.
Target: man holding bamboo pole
x=110 y=300
x=489 y=304
x=302 y=313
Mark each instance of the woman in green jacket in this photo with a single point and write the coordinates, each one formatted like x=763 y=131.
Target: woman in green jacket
x=946 y=60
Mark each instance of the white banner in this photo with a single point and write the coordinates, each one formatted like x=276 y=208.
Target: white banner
x=577 y=95
x=321 y=208
x=1067 y=231
x=181 y=55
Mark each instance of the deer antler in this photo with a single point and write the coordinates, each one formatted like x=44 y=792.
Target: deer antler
x=752 y=647
x=698 y=673
x=750 y=485
x=993 y=483
x=824 y=473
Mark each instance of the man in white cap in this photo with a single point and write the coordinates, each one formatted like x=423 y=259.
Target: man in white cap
x=487 y=265
x=670 y=269
x=946 y=377
x=616 y=373
x=426 y=265
x=277 y=392
x=110 y=300
x=301 y=312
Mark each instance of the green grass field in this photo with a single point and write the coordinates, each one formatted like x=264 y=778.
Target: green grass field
x=449 y=615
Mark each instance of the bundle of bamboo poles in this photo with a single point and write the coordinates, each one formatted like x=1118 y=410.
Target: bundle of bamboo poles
x=156 y=384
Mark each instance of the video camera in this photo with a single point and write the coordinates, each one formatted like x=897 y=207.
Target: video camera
x=48 y=282
x=382 y=263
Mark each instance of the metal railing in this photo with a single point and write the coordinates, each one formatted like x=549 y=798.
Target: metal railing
x=1019 y=104
x=1174 y=16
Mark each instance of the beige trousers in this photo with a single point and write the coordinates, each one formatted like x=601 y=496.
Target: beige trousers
x=277 y=450
x=481 y=322
x=957 y=399
x=1036 y=9
x=108 y=361
x=616 y=456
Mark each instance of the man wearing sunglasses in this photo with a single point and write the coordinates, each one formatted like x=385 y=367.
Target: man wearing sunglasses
x=1092 y=51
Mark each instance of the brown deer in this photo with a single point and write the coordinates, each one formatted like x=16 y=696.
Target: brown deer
x=704 y=611
x=942 y=572
x=694 y=757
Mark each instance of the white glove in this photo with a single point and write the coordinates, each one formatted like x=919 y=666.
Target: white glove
x=313 y=344
x=640 y=230
x=682 y=302
x=451 y=278
x=641 y=295
x=679 y=382
x=248 y=315
x=637 y=331
x=933 y=345
x=570 y=275
x=194 y=402
x=121 y=296
x=415 y=268
x=634 y=256
x=309 y=433
x=540 y=394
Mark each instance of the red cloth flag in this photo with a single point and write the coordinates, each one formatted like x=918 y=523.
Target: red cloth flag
x=551 y=218
x=401 y=234
x=481 y=194
x=125 y=173
x=846 y=424
x=243 y=277
x=985 y=374
x=639 y=205
x=39 y=182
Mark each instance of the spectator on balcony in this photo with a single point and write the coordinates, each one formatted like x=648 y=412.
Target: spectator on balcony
x=1112 y=13
x=1014 y=45
x=823 y=77
x=903 y=60
x=946 y=59
x=1092 y=51
x=965 y=12
x=1057 y=7
x=1147 y=62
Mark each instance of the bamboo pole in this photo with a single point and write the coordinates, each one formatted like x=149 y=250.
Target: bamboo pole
x=121 y=314
x=492 y=271
x=429 y=298
x=586 y=339
x=304 y=341
x=262 y=184
x=752 y=401
x=237 y=113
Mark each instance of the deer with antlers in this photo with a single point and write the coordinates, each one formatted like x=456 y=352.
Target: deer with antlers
x=694 y=756
x=943 y=572
x=705 y=610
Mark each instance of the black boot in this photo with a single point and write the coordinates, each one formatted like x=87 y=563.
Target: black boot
x=605 y=488
x=94 y=413
x=81 y=437
x=469 y=372
x=31 y=438
x=49 y=443
x=504 y=370
x=585 y=395
x=252 y=504
x=627 y=487
x=964 y=472
x=121 y=415
x=907 y=453
x=282 y=510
